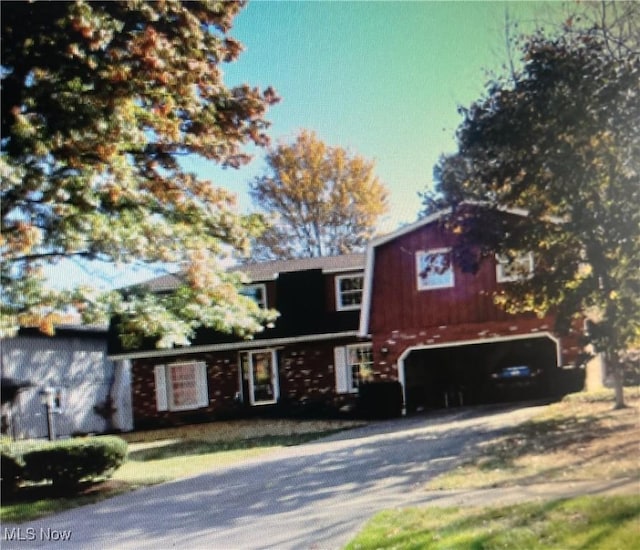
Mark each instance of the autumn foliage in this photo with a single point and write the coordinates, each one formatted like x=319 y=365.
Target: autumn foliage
x=100 y=100
x=322 y=200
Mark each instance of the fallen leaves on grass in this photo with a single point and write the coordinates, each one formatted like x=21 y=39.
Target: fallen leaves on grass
x=575 y=439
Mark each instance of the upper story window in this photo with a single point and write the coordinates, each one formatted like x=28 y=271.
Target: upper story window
x=349 y=291
x=515 y=269
x=257 y=292
x=434 y=269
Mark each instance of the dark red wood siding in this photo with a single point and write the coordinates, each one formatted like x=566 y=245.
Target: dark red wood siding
x=397 y=304
x=402 y=316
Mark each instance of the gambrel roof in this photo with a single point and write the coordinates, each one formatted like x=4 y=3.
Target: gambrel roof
x=419 y=224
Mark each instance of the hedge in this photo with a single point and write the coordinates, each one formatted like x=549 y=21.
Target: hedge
x=68 y=462
x=11 y=470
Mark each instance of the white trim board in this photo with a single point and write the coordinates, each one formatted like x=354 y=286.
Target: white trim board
x=460 y=343
x=244 y=345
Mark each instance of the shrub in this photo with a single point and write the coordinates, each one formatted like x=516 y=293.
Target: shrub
x=67 y=463
x=11 y=470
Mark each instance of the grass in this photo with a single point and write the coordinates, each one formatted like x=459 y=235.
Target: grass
x=586 y=523
x=579 y=438
x=174 y=459
x=163 y=455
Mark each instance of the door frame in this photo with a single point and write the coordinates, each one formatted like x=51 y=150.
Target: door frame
x=251 y=382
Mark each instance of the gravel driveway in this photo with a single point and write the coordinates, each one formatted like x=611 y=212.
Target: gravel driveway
x=311 y=496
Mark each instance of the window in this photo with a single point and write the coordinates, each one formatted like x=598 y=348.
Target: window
x=349 y=292
x=353 y=365
x=515 y=269
x=258 y=293
x=181 y=386
x=434 y=269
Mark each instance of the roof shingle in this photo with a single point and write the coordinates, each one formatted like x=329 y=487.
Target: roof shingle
x=266 y=271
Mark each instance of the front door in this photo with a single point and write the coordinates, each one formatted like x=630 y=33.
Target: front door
x=259 y=374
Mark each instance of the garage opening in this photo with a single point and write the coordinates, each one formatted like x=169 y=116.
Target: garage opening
x=479 y=373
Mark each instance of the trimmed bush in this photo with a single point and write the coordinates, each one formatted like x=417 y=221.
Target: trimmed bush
x=66 y=463
x=11 y=471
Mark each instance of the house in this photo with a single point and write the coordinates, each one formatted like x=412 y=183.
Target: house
x=436 y=328
x=403 y=312
x=311 y=357
x=70 y=387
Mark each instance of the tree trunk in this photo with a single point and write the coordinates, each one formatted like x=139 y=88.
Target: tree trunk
x=618 y=380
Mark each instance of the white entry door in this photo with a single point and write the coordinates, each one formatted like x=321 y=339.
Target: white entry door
x=260 y=370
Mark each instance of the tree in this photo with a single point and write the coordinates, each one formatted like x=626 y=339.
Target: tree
x=325 y=200
x=99 y=102
x=563 y=142
x=616 y=24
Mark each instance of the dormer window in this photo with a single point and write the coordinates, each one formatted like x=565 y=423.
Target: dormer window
x=257 y=292
x=514 y=269
x=434 y=269
x=349 y=291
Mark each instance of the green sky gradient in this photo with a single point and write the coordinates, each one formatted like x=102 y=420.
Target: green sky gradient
x=382 y=78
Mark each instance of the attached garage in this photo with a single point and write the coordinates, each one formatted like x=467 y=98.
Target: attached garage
x=478 y=372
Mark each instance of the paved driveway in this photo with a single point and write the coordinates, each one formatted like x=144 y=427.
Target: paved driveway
x=312 y=496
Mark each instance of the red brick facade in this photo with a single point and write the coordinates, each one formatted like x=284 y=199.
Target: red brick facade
x=306 y=377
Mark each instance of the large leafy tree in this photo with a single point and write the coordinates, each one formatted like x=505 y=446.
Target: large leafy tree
x=323 y=200
x=561 y=141
x=99 y=102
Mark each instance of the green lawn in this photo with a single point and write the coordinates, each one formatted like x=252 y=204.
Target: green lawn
x=148 y=464
x=586 y=523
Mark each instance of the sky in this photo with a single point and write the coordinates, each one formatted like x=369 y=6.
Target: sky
x=382 y=79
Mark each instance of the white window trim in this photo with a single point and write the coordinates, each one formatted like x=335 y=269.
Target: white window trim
x=164 y=388
x=274 y=377
x=263 y=288
x=421 y=285
x=343 y=369
x=501 y=277
x=343 y=384
x=338 y=278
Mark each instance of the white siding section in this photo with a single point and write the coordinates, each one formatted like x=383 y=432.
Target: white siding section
x=76 y=364
x=121 y=396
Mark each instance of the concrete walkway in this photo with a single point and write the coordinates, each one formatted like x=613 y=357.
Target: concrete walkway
x=315 y=496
